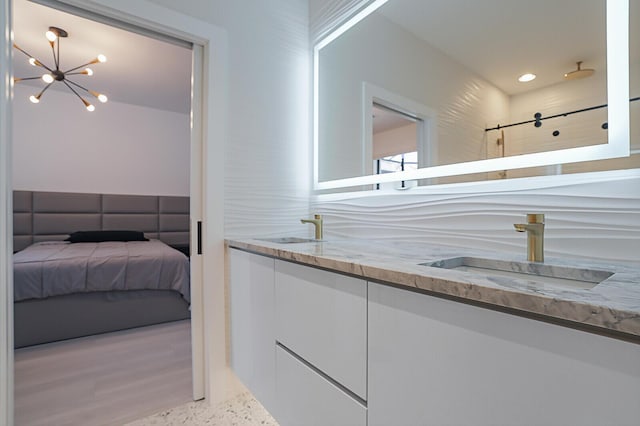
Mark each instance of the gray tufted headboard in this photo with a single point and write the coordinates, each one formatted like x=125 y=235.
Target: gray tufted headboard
x=42 y=216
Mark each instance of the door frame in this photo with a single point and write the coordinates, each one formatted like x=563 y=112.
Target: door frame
x=208 y=125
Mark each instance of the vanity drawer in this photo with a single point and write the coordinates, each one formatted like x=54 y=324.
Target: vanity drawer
x=321 y=316
x=304 y=397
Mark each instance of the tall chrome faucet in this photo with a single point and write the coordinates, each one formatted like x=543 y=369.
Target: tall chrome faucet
x=535 y=236
x=317 y=222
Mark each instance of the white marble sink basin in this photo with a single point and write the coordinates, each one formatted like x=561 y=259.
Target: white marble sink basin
x=287 y=240
x=540 y=274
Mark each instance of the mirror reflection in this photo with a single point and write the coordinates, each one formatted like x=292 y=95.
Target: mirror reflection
x=465 y=80
x=395 y=140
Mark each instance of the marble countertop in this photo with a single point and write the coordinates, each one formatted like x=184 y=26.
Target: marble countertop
x=610 y=306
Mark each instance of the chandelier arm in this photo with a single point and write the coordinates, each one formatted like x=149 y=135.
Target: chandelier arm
x=83 y=65
x=22 y=50
x=53 y=51
x=17 y=79
x=76 y=84
x=30 y=56
x=76 y=93
x=44 y=90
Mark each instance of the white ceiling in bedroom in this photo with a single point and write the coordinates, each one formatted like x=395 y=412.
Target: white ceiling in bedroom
x=139 y=70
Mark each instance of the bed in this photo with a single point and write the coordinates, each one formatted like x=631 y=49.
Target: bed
x=65 y=289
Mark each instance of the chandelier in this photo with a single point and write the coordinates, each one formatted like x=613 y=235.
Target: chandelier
x=55 y=74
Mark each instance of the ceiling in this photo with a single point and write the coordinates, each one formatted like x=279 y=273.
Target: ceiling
x=385 y=119
x=503 y=39
x=498 y=39
x=139 y=70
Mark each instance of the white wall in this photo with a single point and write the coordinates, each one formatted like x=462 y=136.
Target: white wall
x=117 y=149
x=267 y=155
x=395 y=141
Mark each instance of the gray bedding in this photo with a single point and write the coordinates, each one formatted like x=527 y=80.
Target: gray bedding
x=57 y=268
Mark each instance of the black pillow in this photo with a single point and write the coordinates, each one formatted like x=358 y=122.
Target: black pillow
x=101 y=236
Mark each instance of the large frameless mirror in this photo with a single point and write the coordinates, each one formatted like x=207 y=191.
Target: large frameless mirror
x=417 y=92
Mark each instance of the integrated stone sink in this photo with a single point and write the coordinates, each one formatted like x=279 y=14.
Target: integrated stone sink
x=535 y=273
x=287 y=240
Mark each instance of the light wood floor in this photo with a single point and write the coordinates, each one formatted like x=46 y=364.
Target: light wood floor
x=108 y=379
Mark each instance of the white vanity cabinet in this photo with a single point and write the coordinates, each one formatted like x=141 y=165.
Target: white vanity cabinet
x=252 y=323
x=321 y=331
x=322 y=348
x=439 y=362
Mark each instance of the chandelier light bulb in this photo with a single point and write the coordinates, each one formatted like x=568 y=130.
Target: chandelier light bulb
x=90 y=107
x=101 y=97
x=101 y=58
x=88 y=71
x=47 y=78
x=34 y=99
x=33 y=61
x=51 y=36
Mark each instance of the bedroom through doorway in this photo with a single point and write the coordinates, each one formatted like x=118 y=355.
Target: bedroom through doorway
x=126 y=166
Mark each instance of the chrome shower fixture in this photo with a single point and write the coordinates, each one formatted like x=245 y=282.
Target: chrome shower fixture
x=579 y=72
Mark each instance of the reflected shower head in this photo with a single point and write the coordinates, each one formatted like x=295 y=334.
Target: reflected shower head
x=579 y=73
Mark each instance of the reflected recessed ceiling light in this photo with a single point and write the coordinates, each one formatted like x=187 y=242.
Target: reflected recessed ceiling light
x=526 y=77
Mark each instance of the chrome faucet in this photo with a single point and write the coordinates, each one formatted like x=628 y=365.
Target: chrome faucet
x=317 y=222
x=535 y=236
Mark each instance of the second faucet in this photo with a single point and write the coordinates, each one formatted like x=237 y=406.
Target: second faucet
x=535 y=236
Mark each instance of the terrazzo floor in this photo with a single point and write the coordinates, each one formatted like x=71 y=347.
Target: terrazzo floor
x=242 y=410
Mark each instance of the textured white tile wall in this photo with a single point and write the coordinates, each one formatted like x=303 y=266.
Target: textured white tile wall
x=588 y=215
x=267 y=156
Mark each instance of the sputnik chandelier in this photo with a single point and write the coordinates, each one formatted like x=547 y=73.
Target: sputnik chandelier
x=56 y=74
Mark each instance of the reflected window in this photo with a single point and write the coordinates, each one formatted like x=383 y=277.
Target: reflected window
x=397 y=163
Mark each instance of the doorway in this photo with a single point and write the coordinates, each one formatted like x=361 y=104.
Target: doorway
x=209 y=105
x=133 y=150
